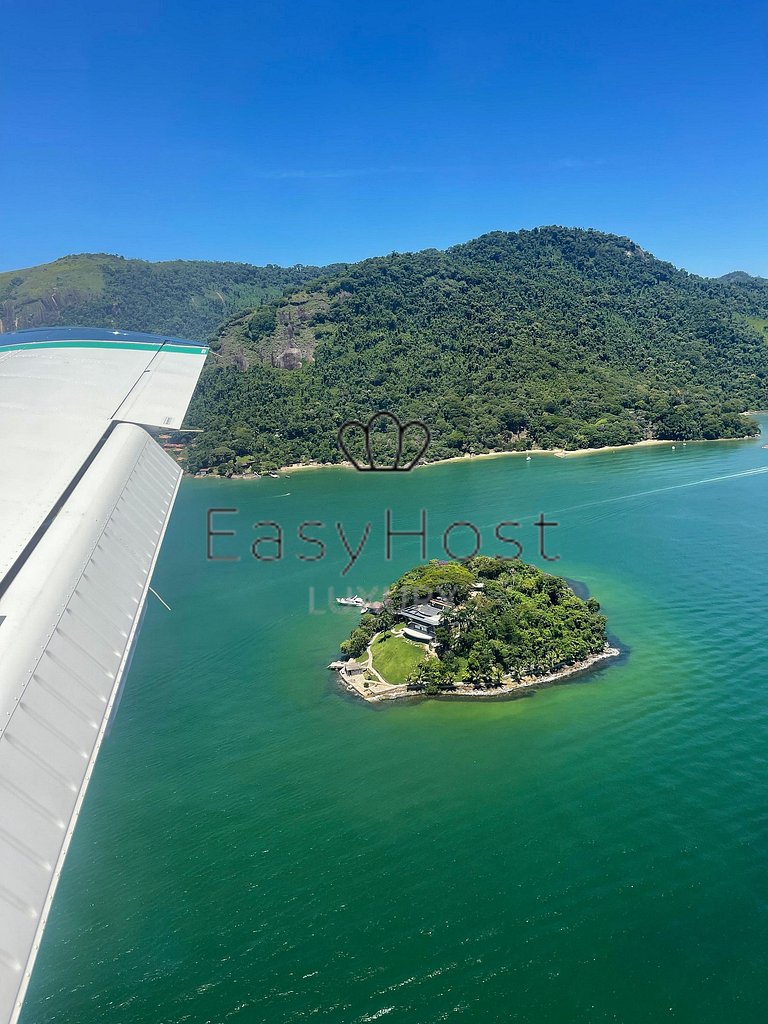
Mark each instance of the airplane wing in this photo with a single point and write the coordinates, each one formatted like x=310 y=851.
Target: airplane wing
x=85 y=498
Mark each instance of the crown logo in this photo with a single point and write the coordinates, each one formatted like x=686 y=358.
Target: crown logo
x=415 y=428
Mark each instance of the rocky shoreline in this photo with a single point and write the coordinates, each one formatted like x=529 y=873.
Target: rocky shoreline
x=375 y=693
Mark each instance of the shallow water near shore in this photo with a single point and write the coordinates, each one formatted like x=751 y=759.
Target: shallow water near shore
x=258 y=846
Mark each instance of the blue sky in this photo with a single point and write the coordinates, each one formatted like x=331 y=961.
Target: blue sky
x=315 y=132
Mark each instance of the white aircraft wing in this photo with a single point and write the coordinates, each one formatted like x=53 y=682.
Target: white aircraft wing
x=85 y=498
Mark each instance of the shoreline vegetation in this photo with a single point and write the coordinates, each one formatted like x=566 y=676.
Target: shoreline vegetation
x=560 y=453
x=510 y=689
x=549 y=339
x=483 y=628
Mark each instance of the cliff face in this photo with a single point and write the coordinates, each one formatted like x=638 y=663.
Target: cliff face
x=43 y=311
x=42 y=296
x=187 y=298
x=284 y=335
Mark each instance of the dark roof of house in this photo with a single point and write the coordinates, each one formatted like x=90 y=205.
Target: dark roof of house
x=422 y=612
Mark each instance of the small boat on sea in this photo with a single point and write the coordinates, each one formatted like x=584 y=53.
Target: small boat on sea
x=352 y=602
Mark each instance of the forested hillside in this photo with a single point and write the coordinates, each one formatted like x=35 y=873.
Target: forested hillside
x=186 y=298
x=547 y=338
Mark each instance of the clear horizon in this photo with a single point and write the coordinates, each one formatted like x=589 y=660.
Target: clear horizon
x=330 y=133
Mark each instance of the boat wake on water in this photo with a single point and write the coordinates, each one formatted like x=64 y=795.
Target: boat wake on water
x=661 y=490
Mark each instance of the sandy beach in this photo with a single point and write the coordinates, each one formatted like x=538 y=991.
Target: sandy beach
x=558 y=453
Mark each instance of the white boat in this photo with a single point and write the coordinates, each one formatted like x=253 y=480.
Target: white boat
x=353 y=602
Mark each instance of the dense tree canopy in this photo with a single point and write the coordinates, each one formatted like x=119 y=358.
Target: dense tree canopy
x=510 y=619
x=547 y=338
x=523 y=622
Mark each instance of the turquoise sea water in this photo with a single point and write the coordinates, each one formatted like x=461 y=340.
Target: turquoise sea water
x=257 y=846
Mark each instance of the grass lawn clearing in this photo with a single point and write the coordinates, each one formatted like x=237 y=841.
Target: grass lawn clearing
x=395 y=658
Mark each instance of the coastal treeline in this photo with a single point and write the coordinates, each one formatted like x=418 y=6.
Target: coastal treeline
x=547 y=338
x=507 y=619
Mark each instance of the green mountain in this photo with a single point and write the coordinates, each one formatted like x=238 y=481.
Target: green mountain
x=742 y=277
x=187 y=298
x=548 y=338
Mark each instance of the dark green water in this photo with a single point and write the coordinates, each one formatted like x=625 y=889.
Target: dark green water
x=256 y=846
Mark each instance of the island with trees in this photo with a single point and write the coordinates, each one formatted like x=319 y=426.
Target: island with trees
x=483 y=627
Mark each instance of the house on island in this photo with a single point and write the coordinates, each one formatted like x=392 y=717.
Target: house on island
x=422 y=621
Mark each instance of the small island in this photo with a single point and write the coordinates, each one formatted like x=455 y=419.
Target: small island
x=482 y=627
